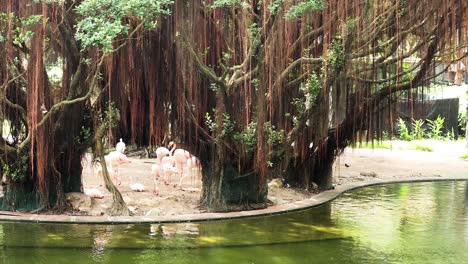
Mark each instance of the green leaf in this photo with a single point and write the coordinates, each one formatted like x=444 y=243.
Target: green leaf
x=304 y=7
x=102 y=21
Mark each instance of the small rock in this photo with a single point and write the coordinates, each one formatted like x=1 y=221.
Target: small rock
x=368 y=174
x=79 y=201
x=314 y=188
x=153 y=212
x=132 y=209
x=276 y=183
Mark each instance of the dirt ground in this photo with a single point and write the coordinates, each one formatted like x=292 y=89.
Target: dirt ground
x=353 y=165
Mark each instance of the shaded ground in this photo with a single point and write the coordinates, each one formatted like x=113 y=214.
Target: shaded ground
x=354 y=165
x=171 y=200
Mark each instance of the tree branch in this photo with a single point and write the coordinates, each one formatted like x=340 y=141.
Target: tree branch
x=4 y=98
x=204 y=70
x=392 y=78
x=235 y=82
x=294 y=64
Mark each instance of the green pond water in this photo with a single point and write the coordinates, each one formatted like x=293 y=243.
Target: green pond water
x=397 y=223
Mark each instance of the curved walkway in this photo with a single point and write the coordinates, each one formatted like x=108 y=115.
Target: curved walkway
x=315 y=200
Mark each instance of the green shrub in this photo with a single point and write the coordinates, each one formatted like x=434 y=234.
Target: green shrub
x=450 y=135
x=418 y=132
x=403 y=130
x=436 y=127
x=17 y=171
x=462 y=123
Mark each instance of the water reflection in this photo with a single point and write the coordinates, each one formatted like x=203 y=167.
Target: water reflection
x=101 y=237
x=402 y=223
x=466 y=196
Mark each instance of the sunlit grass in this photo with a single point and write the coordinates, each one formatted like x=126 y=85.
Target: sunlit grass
x=428 y=145
x=376 y=144
x=109 y=150
x=464 y=156
x=420 y=147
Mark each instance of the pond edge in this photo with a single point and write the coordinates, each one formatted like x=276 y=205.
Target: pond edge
x=315 y=200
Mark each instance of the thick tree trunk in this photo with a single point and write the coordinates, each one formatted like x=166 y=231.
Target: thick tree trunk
x=20 y=197
x=226 y=189
x=71 y=143
x=316 y=170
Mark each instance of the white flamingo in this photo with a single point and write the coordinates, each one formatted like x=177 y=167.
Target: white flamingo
x=120 y=147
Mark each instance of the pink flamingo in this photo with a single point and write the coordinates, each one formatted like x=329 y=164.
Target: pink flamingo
x=165 y=170
x=173 y=162
x=183 y=157
x=168 y=168
x=113 y=160
x=137 y=187
x=192 y=163
x=162 y=152
x=155 y=171
x=94 y=193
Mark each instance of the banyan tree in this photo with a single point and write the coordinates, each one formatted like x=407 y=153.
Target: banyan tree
x=255 y=89
x=51 y=84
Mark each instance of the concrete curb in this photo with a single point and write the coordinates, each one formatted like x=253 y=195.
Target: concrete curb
x=323 y=197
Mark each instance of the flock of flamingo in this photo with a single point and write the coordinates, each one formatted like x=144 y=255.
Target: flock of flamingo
x=170 y=162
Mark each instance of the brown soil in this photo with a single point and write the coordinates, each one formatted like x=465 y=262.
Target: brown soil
x=354 y=165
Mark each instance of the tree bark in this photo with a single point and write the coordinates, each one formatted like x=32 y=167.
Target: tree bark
x=119 y=207
x=227 y=189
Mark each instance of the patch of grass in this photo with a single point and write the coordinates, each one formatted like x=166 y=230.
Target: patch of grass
x=421 y=148
x=109 y=150
x=464 y=156
x=373 y=144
